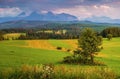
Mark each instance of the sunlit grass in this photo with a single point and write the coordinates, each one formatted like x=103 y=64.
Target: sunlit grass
x=58 y=72
x=44 y=51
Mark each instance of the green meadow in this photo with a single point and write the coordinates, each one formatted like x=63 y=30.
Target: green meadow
x=111 y=54
x=15 y=53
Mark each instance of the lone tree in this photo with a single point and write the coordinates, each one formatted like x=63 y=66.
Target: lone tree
x=109 y=36
x=89 y=43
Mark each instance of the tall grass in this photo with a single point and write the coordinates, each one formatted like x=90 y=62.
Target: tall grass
x=57 y=72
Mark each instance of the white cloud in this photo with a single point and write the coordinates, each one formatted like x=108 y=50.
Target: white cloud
x=44 y=12
x=83 y=12
x=10 y=12
x=79 y=11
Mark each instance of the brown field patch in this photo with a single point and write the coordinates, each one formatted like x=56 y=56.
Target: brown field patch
x=111 y=45
x=101 y=55
x=42 y=44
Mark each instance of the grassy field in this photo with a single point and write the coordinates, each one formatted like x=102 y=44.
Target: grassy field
x=14 y=53
x=11 y=36
x=110 y=54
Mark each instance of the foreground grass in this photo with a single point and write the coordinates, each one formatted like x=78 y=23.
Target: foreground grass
x=57 y=72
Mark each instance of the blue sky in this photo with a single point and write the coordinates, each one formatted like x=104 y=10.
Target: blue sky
x=80 y=8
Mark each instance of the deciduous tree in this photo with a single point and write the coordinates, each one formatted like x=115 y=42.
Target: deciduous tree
x=109 y=36
x=89 y=42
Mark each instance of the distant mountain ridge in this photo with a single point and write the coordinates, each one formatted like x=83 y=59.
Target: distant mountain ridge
x=34 y=16
x=49 y=24
x=103 y=19
x=49 y=16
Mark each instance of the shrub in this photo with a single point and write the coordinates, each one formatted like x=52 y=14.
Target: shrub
x=68 y=59
x=68 y=50
x=59 y=48
x=102 y=48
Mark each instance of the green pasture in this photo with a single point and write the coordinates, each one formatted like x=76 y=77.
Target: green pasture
x=14 y=54
x=59 y=43
x=111 y=54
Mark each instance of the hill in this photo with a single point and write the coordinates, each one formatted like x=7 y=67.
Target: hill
x=55 y=24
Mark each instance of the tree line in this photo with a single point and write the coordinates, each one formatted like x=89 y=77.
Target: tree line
x=43 y=35
x=114 y=31
x=71 y=33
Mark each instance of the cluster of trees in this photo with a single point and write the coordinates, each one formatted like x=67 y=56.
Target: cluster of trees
x=40 y=33
x=15 y=30
x=43 y=35
x=111 y=31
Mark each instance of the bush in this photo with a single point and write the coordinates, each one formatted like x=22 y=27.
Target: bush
x=59 y=48
x=68 y=50
x=77 y=58
x=68 y=59
x=102 y=48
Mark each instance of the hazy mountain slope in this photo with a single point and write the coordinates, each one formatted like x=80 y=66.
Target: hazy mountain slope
x=34 y=16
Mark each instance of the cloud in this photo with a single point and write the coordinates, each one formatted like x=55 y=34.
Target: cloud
x=79 y=11
x=83 y=12
x=51 y=4
x=80 y=8
x=9 y=12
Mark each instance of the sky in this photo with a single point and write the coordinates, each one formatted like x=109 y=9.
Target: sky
x=79 y=8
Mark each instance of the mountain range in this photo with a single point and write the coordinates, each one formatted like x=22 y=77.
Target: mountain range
x=49 y=16
x=34 y=16
x=103 y=19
